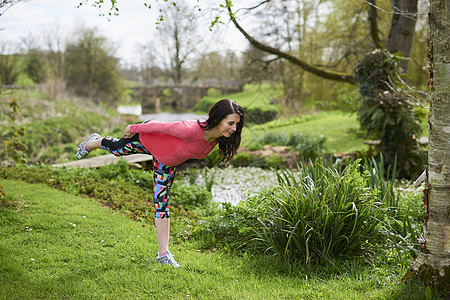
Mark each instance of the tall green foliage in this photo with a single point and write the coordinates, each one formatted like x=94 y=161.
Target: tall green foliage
x=90 y=69
x=35 y=66
x=388 y=114
x=9 y=70
x=321 y=214
x=16 y=146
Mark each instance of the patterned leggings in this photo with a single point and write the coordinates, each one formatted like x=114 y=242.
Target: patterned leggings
x=163 y=175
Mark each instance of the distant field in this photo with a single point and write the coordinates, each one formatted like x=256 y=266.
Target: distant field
x=251 y=97
x=257 y=96
x=334 y=125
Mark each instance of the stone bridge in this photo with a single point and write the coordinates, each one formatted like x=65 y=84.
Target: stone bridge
x=175 y=97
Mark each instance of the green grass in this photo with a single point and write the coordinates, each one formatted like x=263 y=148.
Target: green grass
x=252 y=96
x=106 y=255
x=257 y=95
x=334 y=125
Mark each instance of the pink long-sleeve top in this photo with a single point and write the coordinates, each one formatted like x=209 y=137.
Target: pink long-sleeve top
x=174 y=142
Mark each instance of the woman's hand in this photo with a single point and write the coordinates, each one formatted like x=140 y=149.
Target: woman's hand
x=127 y=133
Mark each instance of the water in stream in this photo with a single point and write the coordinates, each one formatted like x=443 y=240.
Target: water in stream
x=236 y=184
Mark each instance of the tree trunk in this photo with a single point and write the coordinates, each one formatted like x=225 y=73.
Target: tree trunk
x=373 y=24
x=401 y=34
x=433 y=262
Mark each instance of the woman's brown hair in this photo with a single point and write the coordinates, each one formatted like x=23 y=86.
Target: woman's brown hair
x=227 y=146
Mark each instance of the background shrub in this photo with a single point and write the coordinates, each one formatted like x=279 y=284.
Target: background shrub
x=388 y=114
x=306 y=146
x=260 y=115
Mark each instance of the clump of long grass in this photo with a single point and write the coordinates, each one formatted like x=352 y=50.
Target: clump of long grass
x=400 y=227
x=321 y=214
x=209 y=179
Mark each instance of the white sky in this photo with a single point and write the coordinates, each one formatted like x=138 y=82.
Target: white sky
x=134 y=26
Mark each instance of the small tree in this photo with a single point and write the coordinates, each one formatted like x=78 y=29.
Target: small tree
x=180 y=38
x=9 y=66
x=90 y=68
x=36 y=67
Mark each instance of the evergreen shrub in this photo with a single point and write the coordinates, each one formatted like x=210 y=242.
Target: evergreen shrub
x=389 y=114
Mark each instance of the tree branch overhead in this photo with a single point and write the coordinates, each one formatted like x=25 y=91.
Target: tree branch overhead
x=331 y=75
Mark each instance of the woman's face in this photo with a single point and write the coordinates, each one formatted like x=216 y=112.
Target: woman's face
x=228 y=124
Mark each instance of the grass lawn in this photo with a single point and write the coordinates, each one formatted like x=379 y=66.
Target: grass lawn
x=257 y=95
x=251 y=97
x=59 y=246
x=334 y=125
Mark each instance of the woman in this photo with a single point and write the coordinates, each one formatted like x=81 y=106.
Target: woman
x=171 y=144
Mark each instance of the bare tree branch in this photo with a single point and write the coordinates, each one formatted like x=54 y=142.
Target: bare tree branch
x=396 y=11
x=254 y=7
x=7 y=4
x=345 y=56
x=337 y=76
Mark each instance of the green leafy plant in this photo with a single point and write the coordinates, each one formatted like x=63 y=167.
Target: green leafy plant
x=388 y=114
x=232 y=226
x=190 y=196
x=308 y=147
x=321 y=215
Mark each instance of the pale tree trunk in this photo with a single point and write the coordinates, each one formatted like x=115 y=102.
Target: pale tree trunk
x=433 y=262
x=401 y=34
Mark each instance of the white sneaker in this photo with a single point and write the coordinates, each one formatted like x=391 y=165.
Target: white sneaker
x=81 y=151
x=168 y=259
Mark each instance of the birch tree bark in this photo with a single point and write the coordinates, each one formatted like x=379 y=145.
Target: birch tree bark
x=433 y=262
